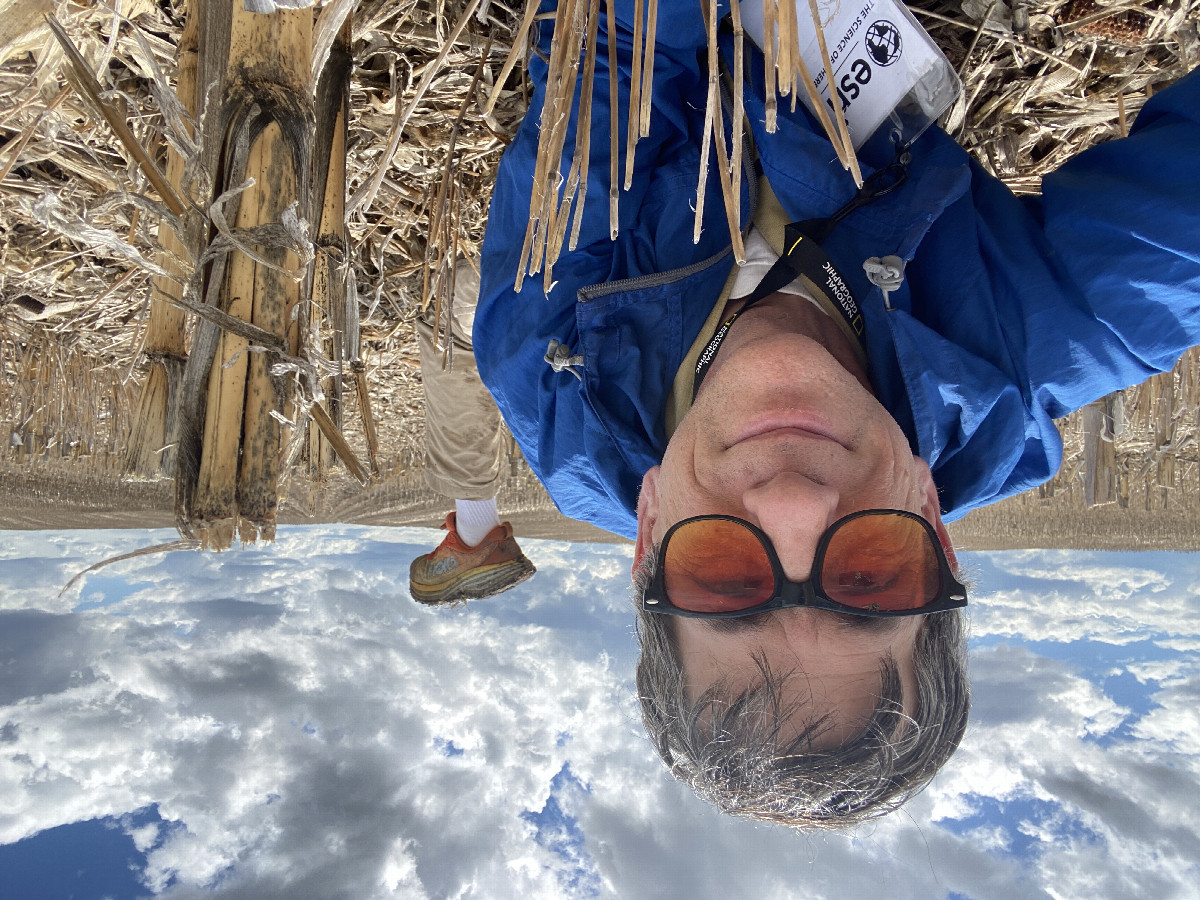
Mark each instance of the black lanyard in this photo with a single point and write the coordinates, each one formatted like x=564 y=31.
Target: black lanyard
x=802 y=255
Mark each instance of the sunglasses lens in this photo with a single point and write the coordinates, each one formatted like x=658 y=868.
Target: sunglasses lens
x=713 y=565
x=885 y=562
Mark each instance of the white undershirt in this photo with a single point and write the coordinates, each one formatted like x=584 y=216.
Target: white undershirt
x=759 y=259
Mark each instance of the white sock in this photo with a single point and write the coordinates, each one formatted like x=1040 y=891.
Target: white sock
x=474 y=519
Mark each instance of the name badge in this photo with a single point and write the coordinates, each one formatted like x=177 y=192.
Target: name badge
x=885 y=66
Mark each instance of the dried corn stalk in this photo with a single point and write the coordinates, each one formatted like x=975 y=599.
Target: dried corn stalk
x=332 y=304
x=256 y=144
x=149 y=452
x=575 y=36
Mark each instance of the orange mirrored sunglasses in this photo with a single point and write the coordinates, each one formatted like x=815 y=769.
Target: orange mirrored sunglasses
x=877 y=562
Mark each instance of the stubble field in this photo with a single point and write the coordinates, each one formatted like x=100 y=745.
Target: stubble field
x=1043 y=80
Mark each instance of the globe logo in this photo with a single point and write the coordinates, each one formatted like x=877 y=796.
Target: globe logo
x=883 y=42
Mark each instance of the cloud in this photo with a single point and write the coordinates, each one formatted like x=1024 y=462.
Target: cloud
x=305 y=729
x=1060 y=595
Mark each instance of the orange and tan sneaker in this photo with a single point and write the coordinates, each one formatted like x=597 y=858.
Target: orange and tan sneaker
x=455 y=572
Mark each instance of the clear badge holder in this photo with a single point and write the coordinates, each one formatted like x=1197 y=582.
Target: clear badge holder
x=887 y=71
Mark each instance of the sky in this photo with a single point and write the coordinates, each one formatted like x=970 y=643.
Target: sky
x=284 y=722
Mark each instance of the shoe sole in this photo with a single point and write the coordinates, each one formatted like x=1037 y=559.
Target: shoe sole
x=475 y=584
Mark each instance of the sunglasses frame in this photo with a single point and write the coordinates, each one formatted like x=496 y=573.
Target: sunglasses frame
x=810 y=593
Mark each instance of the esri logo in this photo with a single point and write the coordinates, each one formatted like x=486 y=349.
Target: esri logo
x=883 y=42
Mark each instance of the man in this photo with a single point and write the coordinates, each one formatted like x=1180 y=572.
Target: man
x=976 y=319
x=464 y=449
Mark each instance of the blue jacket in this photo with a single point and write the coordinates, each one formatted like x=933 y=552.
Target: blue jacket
x=1012 y=312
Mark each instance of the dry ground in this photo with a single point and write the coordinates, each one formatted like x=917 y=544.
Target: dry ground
x=1043 y=80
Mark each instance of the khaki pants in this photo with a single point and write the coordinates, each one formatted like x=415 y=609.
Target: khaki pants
x=464 y=439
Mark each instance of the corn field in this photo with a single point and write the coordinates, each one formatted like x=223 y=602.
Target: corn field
x=380 y=126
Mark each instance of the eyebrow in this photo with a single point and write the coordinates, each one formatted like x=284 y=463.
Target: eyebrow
x=742 y=624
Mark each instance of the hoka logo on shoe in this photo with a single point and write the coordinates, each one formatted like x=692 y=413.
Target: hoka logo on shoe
x=442 y=566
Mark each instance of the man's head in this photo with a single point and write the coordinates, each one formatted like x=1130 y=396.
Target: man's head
x=787 y=434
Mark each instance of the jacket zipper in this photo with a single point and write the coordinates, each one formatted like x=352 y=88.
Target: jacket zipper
x=640 y=282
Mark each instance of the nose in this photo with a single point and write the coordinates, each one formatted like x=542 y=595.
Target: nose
x=794 y=511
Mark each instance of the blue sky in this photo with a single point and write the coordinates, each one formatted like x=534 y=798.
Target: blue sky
x=284 y=721
x=95 y=858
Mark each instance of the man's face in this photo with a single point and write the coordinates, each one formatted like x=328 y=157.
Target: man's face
x=784 y=436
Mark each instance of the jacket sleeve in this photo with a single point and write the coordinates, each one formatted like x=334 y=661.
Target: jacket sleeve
x=1122 y=221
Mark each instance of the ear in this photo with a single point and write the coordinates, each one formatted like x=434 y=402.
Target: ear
x=931 y=508
x=647 y=515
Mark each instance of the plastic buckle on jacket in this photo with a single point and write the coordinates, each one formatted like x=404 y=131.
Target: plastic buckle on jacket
x=886 y=273
x=559 y=357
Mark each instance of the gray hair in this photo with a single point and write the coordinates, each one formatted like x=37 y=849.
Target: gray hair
x=728 y=749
